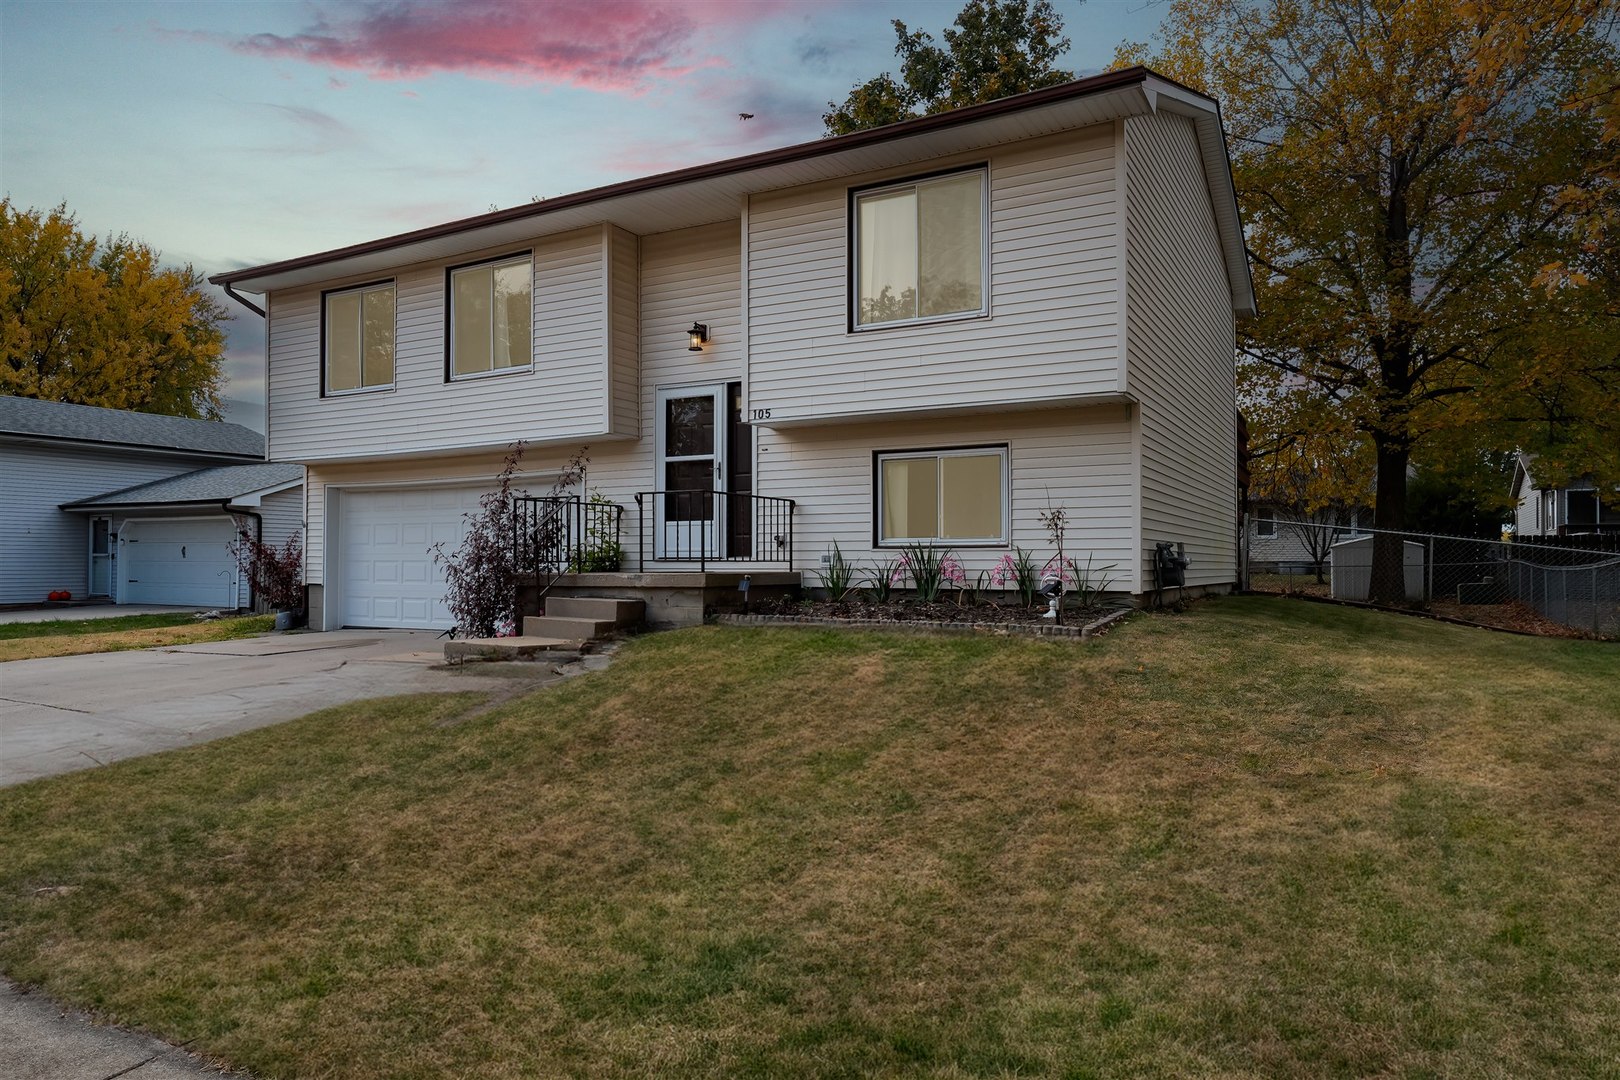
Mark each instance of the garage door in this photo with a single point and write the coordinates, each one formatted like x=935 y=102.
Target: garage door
x=388 y=577
x=178 y=562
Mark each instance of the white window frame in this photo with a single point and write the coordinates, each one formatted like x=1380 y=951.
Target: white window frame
x=881 y=456
x=326 y=374
x=856 y=195
x=524 y=258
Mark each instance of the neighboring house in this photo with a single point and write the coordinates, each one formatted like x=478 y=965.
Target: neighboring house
x=1544 y=509
x=1279 y=541
x=136 y=508
x=928 y=332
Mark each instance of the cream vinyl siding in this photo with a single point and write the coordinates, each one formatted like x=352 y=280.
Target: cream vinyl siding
x=687 y=275
x=1180 y=352
x=1052 y=332
x=1079 y=459
x=624 y=320
x=565 y=396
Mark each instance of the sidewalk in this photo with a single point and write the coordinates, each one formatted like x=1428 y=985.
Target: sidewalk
x=89 y=611
x=41 y=1041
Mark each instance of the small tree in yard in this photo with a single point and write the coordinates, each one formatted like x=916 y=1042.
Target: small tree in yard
x=481 y=575
x=277 y=574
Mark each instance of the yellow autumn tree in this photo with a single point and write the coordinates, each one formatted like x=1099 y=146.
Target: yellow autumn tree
x=103 y=323
x=1407 y=172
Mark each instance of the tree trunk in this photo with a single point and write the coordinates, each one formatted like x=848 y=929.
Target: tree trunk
x=1389 y=518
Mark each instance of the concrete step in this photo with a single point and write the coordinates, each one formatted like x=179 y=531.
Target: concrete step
x=568 y=629
x=526 y=647
x=600 y=608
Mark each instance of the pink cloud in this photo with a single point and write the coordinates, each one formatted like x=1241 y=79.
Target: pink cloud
x=611 y=45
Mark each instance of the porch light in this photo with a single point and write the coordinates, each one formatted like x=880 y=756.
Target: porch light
x=697 y=337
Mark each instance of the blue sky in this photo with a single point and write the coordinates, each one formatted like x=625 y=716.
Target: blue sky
x=230 y=134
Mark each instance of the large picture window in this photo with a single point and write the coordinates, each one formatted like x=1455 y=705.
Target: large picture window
x=358 y=334
x=919 y=250
x=491 y=308
x=950 y=496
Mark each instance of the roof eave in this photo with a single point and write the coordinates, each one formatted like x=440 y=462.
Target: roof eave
x=1140 y=91
x=225 y=456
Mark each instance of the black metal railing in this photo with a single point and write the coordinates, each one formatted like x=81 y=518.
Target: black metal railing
x=565 y=534
x=704 y=527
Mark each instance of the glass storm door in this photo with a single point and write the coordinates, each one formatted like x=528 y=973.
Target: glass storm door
x=689 y=521
x=101 y=556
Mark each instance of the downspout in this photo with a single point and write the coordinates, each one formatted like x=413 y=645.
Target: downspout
x=258 y=533
x=259 y=311
x=244 y=301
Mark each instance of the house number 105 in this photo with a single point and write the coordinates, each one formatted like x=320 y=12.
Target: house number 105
x=759 y=414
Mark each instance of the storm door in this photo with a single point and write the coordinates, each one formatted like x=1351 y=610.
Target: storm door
x=689 y=521
x=101 y=556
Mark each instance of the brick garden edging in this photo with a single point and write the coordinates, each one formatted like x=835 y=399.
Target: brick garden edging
x=1062 y=633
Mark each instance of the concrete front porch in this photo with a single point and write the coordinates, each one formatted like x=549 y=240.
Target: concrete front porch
x=673 y=598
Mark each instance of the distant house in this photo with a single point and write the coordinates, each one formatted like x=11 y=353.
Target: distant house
x=136 y=508
x=1542 y=508
x=1281 y=543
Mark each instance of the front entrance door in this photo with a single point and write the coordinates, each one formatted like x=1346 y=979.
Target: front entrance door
x=101 y=556
x=689 y=522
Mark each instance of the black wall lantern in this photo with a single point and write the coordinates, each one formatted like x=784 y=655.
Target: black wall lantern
x=697 y=337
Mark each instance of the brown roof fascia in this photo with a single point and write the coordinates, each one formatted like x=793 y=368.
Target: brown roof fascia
x=1108 y=80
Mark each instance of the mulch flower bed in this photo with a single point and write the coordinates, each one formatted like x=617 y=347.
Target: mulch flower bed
x=982 y=613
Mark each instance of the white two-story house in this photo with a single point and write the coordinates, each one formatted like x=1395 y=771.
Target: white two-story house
x=932 y=331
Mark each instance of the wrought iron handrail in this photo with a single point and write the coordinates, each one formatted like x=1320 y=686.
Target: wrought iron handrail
x=706 y=526
x=562 y=534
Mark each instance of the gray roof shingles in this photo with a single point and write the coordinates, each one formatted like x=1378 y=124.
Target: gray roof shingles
x=29 y=417
x=217 y=485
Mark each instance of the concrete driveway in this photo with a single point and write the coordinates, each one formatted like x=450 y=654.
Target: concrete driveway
x=75 y=712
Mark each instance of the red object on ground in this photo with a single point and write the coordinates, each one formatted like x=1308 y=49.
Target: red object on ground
x=60 y=594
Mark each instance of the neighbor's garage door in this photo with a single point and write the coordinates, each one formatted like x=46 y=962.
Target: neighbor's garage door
x=178 y=562
x=388 y=577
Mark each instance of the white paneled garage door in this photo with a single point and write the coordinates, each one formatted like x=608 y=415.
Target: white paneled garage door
x=388 y=577
x=185 y=561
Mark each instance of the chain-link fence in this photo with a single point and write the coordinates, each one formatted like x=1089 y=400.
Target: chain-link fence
x=1548 y=584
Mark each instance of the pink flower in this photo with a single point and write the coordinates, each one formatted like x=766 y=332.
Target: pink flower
x=1064 y=571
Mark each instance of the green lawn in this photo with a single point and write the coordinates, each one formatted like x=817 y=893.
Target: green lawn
x=110 y=624
x=1260 y=838
x=69 y=637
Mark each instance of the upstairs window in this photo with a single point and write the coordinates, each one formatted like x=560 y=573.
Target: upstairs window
x=358 y=334
x=949 y=496
x=919 y=250
x=491 y=308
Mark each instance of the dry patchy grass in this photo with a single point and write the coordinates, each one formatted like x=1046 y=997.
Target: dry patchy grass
x=1259 y=838
x=65 y=637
